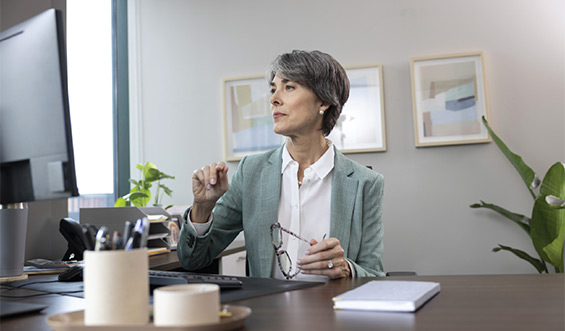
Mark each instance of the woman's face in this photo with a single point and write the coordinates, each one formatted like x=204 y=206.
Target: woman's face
x=295 y=108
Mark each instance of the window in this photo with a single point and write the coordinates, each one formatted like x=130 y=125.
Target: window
x=91 y=99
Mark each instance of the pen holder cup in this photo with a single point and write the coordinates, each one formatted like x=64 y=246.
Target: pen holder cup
x=116 y=287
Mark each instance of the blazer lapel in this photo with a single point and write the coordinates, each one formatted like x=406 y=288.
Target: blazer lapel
x=344 y=189
x=270 y=191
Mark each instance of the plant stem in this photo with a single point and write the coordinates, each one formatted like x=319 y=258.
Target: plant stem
x=544 y=264
x=156 y=203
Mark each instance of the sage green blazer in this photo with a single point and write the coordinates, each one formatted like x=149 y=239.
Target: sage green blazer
x=251 y=205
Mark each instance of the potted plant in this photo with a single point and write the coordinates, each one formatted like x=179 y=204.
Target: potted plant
x=546 y=225
x=140 y=193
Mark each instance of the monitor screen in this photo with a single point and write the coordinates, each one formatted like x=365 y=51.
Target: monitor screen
x=36 y=150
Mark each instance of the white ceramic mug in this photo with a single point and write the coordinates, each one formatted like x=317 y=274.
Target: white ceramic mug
x=186 y=305
x=116 y=287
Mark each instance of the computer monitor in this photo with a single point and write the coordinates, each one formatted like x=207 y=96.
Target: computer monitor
x=36 y=149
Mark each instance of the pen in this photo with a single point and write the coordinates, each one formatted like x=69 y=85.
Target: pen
x=135 y=238
x=116 y=240
x=87 y=239
x=128 y=228
x=90 y=233
x=134 y=241
x=102 y=239
x=145 y=232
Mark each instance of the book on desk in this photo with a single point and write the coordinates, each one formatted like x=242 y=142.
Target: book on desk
x=387 y=295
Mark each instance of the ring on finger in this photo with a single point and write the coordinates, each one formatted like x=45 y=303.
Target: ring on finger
x=330 y=264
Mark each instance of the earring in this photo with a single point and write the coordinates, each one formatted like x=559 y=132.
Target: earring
x=321 y=112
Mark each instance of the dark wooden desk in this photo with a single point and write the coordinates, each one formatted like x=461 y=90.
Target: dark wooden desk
x=170 y=260
x=167 y=261
x=489 y=302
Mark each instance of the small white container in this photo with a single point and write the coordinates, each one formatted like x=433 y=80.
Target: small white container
x=186 y=305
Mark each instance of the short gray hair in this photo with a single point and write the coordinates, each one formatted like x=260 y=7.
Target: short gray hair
x=321 y=73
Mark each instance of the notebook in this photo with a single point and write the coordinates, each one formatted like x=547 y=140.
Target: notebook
x=387 y=295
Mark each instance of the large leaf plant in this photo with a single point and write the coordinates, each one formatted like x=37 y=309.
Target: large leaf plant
x=546 y=225
x=140 y=193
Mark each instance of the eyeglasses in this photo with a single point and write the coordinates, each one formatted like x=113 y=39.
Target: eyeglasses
x=283 y=258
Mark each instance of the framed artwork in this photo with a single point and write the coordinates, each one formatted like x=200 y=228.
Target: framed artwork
x=173 y=237
x=360 y=127
x=247 y=117
x=249 y=124
x=449 y=98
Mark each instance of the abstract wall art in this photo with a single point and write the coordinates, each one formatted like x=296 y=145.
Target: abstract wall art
x=449 y=98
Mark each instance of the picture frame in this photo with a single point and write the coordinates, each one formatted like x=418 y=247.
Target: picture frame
x=449 y=97
x=174 y=233
x=248 y=124
x=248 y=121
x=361 y=125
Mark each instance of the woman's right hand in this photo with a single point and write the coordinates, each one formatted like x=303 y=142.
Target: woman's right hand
x=209 y=183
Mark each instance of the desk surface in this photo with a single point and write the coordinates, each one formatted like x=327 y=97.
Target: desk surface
x=170 y=260
x=478 y=302
x=490 y=302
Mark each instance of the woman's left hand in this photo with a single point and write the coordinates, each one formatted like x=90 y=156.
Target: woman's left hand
x=325 y=258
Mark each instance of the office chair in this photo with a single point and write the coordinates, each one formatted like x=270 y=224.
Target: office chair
x=397 y=273
x=400 y=273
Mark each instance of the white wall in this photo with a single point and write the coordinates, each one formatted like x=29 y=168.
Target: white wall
x=181 y=50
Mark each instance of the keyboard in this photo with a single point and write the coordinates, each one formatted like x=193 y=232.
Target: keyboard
x=163 y=278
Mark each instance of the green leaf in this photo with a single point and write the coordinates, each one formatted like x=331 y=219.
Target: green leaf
x=137 y=195
x=152 y=175
x=121 y=202
x=554 y=181
x=548 y=222
x=538 y=264
x=150 y=171
x=555 y=202
x=163 y=175
x=145 y=185
x=520 y=220
x=167 y=190
x=527 y=174
x=139 y=198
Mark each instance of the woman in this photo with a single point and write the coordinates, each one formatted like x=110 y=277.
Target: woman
x=307 y=187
